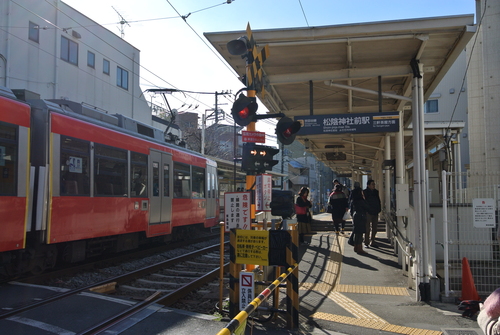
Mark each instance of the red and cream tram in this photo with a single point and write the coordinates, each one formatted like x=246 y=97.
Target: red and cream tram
x=101 y=183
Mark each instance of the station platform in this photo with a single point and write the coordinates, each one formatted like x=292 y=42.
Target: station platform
x=340 y=292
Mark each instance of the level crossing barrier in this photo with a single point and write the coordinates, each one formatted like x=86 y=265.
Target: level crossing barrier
x=252 y=306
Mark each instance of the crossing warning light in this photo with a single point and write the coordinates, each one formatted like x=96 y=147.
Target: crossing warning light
x=286 y=129
x=244 y=110
x=258 y=158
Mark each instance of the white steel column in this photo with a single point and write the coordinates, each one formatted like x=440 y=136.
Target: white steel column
x=458 y=167
x=424 y=184
x=416 y=186
x=399 y=170
x=387 y=179
x=420 y=189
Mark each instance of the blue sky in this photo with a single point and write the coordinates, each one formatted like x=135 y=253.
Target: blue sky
x=175 y=49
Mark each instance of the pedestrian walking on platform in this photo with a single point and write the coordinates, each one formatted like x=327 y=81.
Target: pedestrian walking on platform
x=374 y=207
x=358 y=212
x=339 y=206
x=304 y=218
x=489 y=316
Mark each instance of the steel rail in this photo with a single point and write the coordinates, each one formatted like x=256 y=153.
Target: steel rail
x=118 y=279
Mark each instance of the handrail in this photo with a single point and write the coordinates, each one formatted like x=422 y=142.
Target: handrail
x=252 y=306
x=393 y=227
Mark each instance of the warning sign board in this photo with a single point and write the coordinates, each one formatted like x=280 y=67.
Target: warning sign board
x=237 y=210
x=484 y=213
x=264 y=186
x=253 y=136
x=247 y=289
x=252 y=247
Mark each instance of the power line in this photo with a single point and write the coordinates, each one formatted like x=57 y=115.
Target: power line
x=304 y=13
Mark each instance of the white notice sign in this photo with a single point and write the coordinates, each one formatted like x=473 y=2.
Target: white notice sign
x=237 y=213
x=483 y=212
x=246 y=289
x=263 y=194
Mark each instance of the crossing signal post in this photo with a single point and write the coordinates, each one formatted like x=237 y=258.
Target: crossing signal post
x=286 y=130
x=244 y=109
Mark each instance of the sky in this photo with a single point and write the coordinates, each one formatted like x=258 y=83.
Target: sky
x=175 y=54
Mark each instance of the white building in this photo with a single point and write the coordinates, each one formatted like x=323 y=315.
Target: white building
x=484 y=92
x=49 y=48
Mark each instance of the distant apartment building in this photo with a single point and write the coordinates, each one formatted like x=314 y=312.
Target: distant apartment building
x=57 y=52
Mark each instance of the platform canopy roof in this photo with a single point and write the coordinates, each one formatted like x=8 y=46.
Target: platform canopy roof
x=307 y=68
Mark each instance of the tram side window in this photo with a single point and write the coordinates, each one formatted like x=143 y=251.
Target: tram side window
x=156 y=179
x=8 y=159
x=182 y=181
x=198 y=182
x=166 y=180
x=139 y=175
x=110 y=171
x=74 y=166
x=214 y=184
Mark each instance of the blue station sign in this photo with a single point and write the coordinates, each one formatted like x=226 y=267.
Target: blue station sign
x=349 y=123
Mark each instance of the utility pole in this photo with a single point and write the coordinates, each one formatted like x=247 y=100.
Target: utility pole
x=216 y=110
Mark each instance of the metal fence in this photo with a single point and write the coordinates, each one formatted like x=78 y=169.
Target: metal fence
x=472 y=229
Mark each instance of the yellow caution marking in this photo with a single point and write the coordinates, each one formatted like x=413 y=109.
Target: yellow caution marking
x=363 y=317
x=371 y=289
x=373 y=324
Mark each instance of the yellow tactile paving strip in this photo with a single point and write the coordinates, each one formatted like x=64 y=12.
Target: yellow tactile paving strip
x=371 y=289
x=327 y=285
x=366 y=323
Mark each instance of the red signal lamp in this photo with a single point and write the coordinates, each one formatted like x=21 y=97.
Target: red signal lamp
x=286 y=130
x=244 y=110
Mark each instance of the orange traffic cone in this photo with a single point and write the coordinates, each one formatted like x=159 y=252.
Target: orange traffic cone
x=469 y=291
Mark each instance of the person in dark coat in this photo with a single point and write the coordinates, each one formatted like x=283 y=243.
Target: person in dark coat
x=339 y=204
x=374 y=207
x=358 y=211
x=302 y=206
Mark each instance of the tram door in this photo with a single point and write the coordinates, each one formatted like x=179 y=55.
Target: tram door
x=160 y=189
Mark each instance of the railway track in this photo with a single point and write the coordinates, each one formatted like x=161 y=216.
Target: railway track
x=163 y=283
x=108 y=261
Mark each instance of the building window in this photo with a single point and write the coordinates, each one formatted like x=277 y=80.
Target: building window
x=34 y=32
x=105 y=66
x=69 y=50
x=91 y=59
x=431 y=106
x=122 y=78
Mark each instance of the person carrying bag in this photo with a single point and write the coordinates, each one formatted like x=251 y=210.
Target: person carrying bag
x=302 y=209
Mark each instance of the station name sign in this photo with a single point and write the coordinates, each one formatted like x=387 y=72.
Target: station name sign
x=349 y=123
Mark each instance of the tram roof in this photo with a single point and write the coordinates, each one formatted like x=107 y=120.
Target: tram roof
x=355 y=55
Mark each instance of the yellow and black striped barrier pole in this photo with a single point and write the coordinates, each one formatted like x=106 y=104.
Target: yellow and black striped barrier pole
x=292 y=283
x=251 y=307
